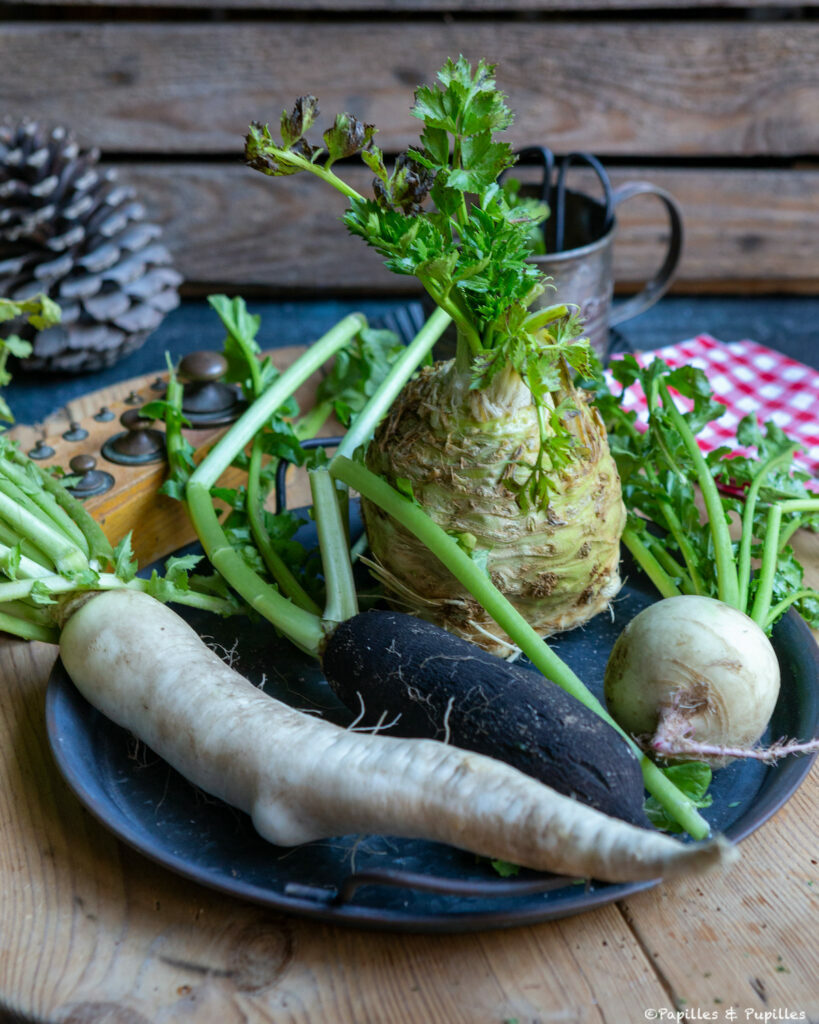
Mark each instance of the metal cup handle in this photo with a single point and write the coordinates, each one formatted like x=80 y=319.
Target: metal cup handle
x=658 y=285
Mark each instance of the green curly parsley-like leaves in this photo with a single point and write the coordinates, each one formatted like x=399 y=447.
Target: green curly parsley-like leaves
x=442 y=216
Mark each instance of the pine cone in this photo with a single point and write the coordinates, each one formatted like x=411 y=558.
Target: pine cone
x=71 y=230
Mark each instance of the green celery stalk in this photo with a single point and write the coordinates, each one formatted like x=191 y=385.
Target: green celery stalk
x=746 y=537
x=342 y=600
x=650 y=564
x=363 y=426
x=253 y=419
x=472 y=577
x=760 y=612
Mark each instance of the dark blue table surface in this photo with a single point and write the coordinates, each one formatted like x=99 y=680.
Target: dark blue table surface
x=789 y=324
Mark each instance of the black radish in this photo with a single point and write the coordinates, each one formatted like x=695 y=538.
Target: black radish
x=426 y=682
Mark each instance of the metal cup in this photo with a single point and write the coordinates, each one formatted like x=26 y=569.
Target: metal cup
x=582 y=272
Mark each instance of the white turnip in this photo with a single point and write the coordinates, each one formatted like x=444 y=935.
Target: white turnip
x=695 y=675
x=692 y=668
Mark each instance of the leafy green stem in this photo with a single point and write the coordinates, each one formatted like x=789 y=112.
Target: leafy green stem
x=671 y=565
x=99 y=546
x=448 y=300
x=364 y=424
x=288 y=158
x=65 y=554
x=789 y=529
x=256 y=416
x=342 y=602
x=189 y=597
x=474 y=579
x=748 y=512
x=302 y=627
x=727 y=579
x=685 y=546
x=649 y=564
x=761 y=610
x=779 y=609
x=175 y=442
x=542 y=317
x=276 y=565
x=28 y=630
x=14 y=483
x=311 y=423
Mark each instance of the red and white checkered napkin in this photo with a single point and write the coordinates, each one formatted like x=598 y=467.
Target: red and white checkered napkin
x=747 y=378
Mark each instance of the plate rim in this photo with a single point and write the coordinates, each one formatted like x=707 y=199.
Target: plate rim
x=772 y=797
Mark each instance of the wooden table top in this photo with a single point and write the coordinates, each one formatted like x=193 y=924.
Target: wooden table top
x=92 y=932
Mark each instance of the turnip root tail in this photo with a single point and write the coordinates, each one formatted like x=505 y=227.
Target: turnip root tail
x=303 y=779
x=673 y=740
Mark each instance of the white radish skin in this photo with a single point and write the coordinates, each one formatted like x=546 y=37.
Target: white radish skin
x=303 y=779
x=696 y=666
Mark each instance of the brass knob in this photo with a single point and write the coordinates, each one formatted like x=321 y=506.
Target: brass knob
x=92 y=480
x=203 y=366
x=138 y=443
x=206 y=399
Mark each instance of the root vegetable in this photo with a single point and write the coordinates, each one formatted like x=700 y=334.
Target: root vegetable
x=309 y=631
x=302 y=779
x=698 y=672
x=428 y=683
x=692 y=668
x=498 y=446
x=459 y=448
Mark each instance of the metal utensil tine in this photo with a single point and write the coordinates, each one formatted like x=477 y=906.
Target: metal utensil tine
x=405 y=321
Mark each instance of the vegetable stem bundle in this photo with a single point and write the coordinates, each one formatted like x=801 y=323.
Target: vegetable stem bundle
x=696 y=674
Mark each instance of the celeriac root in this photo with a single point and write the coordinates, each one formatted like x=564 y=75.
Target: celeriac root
x=303 y=779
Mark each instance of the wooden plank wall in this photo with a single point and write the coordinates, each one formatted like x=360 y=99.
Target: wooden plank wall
x=720 y=105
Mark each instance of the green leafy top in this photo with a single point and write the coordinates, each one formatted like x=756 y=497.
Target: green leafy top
x=536 y=210
x=441 y=215
x=661 y=468
x=693 y=778
x=40 y=312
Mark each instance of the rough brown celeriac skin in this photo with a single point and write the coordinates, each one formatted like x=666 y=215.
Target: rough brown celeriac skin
x=458 y=448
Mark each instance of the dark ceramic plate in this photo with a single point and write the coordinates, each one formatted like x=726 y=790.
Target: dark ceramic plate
x=381 y=881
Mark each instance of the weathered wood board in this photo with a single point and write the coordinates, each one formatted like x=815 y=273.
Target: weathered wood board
x=433 y=6
x=652 y=87
x=230 y=223
x=168 y=102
